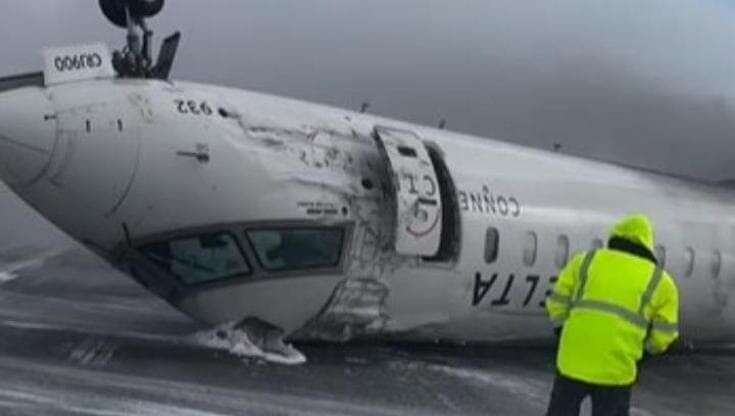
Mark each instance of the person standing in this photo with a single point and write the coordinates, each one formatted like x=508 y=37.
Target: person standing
x=609 y=306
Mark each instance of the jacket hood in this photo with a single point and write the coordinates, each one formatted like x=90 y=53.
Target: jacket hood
x=635 y=228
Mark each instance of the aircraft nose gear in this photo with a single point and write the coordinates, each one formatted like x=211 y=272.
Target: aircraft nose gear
x=135 y=61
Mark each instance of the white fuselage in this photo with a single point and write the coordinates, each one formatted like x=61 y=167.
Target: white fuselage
x=134 y=168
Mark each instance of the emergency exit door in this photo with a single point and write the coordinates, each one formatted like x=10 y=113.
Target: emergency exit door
x=415 y=191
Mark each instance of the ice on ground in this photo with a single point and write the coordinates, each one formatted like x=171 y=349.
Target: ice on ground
x=9 y=271
x=512 y=383
x=239 y=341
x=42 y=401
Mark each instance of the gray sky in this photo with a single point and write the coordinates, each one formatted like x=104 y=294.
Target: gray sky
x=650 y=82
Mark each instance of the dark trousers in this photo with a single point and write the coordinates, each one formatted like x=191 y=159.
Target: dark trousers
x=567 y=397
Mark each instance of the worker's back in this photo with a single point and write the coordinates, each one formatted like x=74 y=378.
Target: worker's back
x=604 y=333
x=610 y=304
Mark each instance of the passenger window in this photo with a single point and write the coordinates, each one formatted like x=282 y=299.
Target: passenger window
x=492 y=242
x=597 y=244
x=716 y=264
x=689 y=262
x=660 y=252
x=562 y=251
x=530 y=250
x=200 y=259
x=281 y=249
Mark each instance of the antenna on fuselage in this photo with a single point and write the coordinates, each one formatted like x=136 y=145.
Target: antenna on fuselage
x=135 y=60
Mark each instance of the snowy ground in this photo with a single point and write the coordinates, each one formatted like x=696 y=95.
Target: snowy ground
x=79 y=339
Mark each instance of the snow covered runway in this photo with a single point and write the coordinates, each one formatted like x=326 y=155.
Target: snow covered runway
x=77 y=338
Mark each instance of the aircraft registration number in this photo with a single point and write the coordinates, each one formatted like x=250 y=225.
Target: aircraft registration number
x=193 y=107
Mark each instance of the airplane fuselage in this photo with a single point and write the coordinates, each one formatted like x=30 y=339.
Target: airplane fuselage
x=333 y=224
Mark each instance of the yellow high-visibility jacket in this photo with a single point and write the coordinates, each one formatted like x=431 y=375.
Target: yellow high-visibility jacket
x=612 y=304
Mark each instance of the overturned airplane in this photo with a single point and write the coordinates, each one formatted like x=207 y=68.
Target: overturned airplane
x=319 y=222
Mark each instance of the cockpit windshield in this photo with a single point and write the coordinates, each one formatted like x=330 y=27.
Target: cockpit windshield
x=280 y=249
x=200 y=259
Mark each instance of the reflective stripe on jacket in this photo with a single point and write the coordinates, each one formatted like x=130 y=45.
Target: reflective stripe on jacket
x=612 y=305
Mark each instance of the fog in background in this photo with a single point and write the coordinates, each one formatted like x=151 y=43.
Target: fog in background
x=645 y=83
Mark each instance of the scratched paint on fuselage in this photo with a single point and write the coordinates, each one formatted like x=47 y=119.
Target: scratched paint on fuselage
x=346 y=165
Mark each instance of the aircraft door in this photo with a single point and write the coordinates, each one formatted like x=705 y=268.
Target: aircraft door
x=414 y=190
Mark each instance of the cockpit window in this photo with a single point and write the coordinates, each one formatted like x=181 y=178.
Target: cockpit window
x=200 y=259
x=280 y=249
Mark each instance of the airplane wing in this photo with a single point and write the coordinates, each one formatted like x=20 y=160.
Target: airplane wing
x=34 y=79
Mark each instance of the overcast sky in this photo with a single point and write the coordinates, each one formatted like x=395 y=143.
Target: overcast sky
x=649 y=82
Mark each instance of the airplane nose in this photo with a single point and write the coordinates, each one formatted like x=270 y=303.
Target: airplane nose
x=27 y=136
